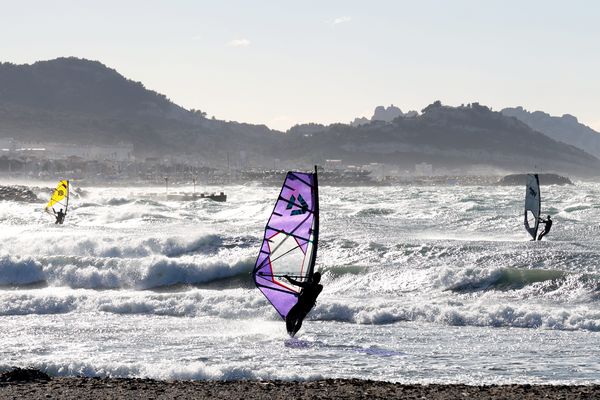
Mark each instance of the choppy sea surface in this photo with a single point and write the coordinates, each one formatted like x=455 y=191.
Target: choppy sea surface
x=422 y=284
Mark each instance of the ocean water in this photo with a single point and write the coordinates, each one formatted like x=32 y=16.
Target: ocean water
x=422 y=284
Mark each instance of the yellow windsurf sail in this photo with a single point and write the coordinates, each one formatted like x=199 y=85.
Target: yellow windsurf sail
x=60 y=196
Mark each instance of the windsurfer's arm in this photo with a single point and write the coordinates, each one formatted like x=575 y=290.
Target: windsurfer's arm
x=295 y=282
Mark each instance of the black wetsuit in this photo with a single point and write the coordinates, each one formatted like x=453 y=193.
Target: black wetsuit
x=60 y=217
x=547 y=226
x=306 y=301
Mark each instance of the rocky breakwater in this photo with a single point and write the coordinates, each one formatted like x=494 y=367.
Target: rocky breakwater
x=17 y=193
x=545 y=179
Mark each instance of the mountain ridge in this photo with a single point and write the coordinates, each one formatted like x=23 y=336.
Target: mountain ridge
x=81 y=101
x=566 y=129
x=454 y=136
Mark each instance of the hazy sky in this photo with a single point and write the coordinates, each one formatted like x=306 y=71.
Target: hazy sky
x=284 y=62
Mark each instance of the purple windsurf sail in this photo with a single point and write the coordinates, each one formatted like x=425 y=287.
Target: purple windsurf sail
x=290 y=243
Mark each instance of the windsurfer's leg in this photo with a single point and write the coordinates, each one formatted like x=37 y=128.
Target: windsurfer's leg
x=298 y=325
x=542 y=235
x=289 y=325
x=290 y=320
x=299 y=319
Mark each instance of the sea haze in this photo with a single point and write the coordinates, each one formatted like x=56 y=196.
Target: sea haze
x=422 y=284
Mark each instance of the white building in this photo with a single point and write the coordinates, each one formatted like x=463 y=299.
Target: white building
x=423 y=169
x=118 y=152
x=8 y=144
x=333 y=164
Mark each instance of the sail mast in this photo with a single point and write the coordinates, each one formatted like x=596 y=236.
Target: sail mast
x=68 y=193
x=315 y=229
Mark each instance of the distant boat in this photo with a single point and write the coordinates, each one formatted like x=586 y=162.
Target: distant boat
x=221 y=197
x=290 y=242
x=59 y=198
x=533 y=205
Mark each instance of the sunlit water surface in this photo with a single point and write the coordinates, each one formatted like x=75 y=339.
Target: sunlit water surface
x=422 y=284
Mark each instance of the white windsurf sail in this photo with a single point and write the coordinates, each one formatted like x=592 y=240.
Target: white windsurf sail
x=533 y=204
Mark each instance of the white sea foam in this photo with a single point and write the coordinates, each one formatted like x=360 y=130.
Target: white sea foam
x=138 y=286
x=20 y=271
x=118 y=273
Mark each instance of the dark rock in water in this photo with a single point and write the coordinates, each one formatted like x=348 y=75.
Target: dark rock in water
x=24 y=375
x=17 y=193
x=545 y=179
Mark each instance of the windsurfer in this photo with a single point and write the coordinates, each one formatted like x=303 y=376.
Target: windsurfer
x=306 y=301
x=60 y=216
x=547 y=225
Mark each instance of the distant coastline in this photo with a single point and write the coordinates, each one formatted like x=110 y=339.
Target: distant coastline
x=30 y=193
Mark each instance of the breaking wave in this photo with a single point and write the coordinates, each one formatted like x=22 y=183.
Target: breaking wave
x=16 y=271
x=186 y=371
x=506 y=279
x=476 y=315
x=116 y=273
x=120 y=246
x=375 y=211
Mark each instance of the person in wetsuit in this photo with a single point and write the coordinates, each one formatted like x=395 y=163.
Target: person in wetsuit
x=306 y=301
x=547 y=225
x=60 y=216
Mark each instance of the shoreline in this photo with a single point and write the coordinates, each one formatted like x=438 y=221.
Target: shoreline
x=43 y=387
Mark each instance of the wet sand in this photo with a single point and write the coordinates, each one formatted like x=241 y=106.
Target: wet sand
x=41 y=387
